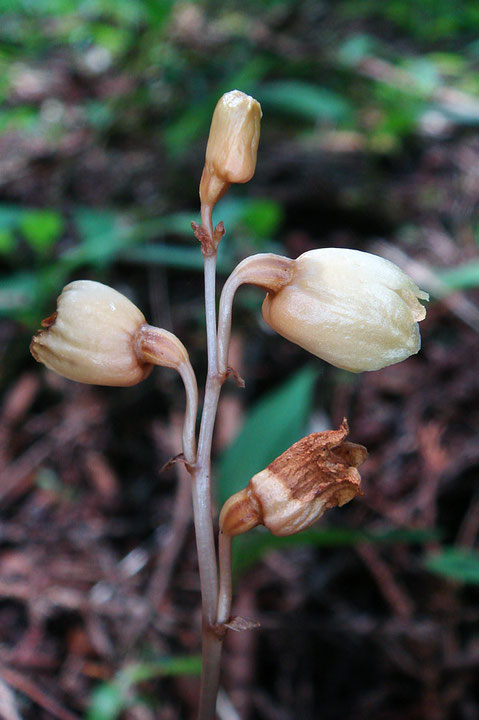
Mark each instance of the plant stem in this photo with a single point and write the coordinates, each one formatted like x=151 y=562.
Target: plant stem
x=226 y=583
x=211 y=642
x=191 y=388
x=268 y=271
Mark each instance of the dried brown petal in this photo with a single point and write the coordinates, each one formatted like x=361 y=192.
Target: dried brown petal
x=316 y=473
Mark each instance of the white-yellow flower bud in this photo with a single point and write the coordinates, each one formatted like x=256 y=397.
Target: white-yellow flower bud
x=232 y=145
x=98 y=336
x=355 y=310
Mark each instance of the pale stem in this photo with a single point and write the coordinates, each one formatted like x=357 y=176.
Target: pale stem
x=268 y=271
x=211 y=643
x=160 y=347
x=226 y=583
x=189 y=437
x=225 y=313
x=272 y=272
x=210 y=293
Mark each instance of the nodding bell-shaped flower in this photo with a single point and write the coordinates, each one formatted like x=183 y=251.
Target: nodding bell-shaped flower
x=98 y=336
x=316 y=473
x=355 y=310
x=232 y=145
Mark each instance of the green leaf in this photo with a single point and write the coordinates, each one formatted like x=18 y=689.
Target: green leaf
x=159 y=10
x=459 y=564
x=113 y=38
x=18 y=291
x=276 y=422
x=103 y=234
x=107 y=702
x=355 y=48
x=176 y=256
x=24 y=295
x=110 y=699
x=18 y=119
x=166 y=667
x=262 y=217
x=259 y=217
x=8 y=242
x=175 y=223
x=424 y=72
x=10 y=216
x=41 y=229
x=99 y=114
x=301 y=99
x=248 y=549
x=95 y=224
x=461 y=277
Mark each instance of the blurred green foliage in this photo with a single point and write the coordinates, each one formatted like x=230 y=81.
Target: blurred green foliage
x=455 y=563
x=372 y=69
x=150 y=72
x=110 y=699
x=271 y=426
x=29 y=237
x=248 y=549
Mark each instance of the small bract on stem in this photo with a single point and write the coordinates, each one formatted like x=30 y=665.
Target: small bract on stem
x=352 y=309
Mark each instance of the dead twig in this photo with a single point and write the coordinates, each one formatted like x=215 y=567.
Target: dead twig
x=27 y=687
x=174 y=539
x=8 y=707
x=397 y=598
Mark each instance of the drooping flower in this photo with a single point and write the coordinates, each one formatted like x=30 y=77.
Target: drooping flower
x=353 y=309
x=98 y=336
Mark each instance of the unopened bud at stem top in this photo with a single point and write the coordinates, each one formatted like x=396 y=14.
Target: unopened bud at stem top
x=232 y=145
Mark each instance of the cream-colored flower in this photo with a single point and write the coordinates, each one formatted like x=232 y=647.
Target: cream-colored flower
x=98 y=336
x=355 y=310
x=232 y=145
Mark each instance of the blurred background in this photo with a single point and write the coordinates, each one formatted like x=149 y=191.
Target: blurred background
x=370 y=140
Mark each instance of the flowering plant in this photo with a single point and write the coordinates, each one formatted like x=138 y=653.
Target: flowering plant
x=354 y=310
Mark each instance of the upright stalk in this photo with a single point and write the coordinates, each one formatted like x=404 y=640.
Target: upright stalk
x=211 y=642
x=226 y=582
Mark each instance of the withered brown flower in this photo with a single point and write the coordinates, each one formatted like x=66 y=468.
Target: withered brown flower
x=316 y=473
